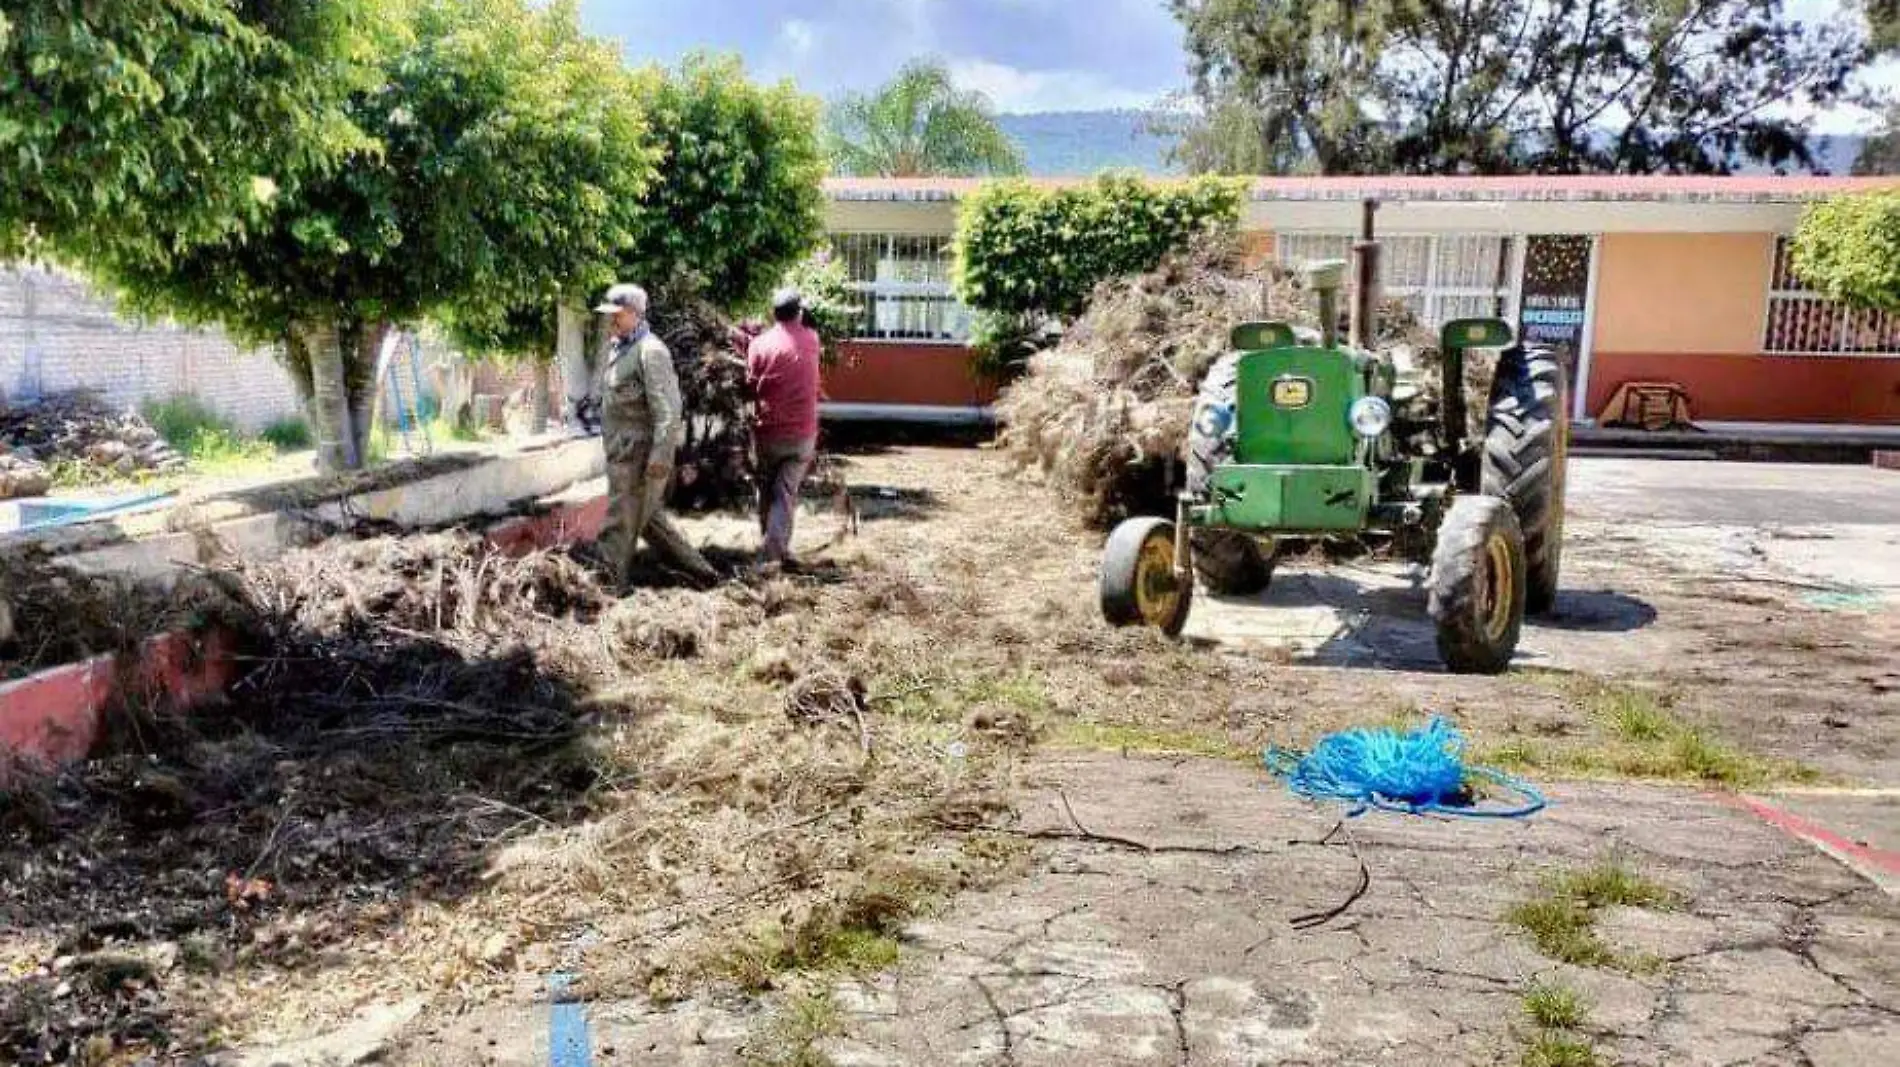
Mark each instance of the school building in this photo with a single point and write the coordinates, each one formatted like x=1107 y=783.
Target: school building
x=1682 y=280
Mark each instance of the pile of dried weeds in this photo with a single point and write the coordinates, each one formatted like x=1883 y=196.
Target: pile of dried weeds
x=1104 y=416
x=441 y=763
x=51 y=614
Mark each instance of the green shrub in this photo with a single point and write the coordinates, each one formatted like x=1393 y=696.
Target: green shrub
x=836 y=311
x=1030 y=251
x=289 y=434
x=182 y=419
x=1849 y=249
x=203 y=437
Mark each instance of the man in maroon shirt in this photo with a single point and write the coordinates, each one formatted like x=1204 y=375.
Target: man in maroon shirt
x=782 y=367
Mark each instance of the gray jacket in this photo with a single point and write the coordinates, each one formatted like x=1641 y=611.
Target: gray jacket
x=640 y=403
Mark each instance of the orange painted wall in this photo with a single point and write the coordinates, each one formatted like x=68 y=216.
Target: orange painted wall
x=1682 y=292
x=895 y=372
x=1690 y=309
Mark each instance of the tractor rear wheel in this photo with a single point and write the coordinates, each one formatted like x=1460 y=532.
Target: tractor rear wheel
x=1526 y=452
x=1478 y=585
x=1139 y=585
x=1210 y=435
x=1232 y=564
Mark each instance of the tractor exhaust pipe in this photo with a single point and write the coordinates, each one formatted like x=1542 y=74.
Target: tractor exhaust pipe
x=1363 y=327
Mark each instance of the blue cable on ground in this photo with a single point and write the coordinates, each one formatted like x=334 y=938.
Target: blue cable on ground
x=1416 y=772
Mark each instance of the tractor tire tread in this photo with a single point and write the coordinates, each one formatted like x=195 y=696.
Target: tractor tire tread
x=1524 y=461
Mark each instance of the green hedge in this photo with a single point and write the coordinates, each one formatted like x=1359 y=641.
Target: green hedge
x=1849 y=249
x=1029 y=251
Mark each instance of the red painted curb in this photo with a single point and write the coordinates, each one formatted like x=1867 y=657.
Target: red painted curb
x=54 y=716
x=563 y=525
x=1877 y=864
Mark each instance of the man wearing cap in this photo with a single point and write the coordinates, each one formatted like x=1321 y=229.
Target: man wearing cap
x=641 y=430
x=782 y=367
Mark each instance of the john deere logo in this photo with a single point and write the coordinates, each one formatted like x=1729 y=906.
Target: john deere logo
x=1292 y=392
x=1477 y=331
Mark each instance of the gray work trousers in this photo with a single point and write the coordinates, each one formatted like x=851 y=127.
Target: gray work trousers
x=782 y=469
x=636 y=508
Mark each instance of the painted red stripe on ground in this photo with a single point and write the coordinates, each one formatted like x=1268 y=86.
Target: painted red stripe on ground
x=1878 y=861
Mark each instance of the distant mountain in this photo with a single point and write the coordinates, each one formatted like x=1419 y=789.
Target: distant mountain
x=1081 y=143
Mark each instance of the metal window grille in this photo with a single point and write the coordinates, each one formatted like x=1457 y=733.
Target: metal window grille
x=1439 y=276
x=905 y=282
x=1801 y=322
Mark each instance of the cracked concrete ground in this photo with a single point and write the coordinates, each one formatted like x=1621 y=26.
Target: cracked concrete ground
x=1167 y=936
x=1186 y=952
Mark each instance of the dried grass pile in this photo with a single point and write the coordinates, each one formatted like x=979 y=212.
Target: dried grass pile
x=1104 y=415
x=441 y=764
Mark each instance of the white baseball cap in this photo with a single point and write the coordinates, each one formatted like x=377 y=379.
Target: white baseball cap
x=624 y=295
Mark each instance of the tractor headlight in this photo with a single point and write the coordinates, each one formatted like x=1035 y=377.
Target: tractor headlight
x=1370 y=416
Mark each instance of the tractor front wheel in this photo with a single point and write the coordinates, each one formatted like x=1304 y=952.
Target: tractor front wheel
x=1478 y=585
x=1139 y=585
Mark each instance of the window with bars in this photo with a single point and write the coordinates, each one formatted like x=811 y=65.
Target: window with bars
x=1439 y=276
x=905 y=282
x=1802 y=322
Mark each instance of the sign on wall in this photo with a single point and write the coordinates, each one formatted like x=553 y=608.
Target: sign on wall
x=1552 y=313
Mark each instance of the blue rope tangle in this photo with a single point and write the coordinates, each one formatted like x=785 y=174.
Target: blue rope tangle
x=1421 y=771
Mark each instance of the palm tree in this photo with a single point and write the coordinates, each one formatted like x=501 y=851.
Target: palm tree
x=919 y=124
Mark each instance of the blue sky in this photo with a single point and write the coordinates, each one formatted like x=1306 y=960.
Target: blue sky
x=1028 y=55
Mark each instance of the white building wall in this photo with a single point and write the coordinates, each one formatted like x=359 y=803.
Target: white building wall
x=57 y=334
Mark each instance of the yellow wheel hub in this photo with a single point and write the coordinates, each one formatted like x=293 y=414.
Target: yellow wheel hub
x=1499 y=580
x=1157 y=590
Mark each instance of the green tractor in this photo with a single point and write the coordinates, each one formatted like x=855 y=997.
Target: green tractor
x=1299 y=437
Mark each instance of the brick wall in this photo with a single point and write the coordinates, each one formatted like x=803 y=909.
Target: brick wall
x=56 y=335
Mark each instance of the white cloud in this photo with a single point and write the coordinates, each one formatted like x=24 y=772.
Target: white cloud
x=798 y=37
x=1014 y=90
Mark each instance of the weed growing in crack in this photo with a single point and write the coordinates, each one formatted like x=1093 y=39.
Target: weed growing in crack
x=1610 y=884
x=793 y=1032
x=1555 y=1007
x=1562 y=921
x=1558 y=1012
x=1552 y=1049
x=1645 y=739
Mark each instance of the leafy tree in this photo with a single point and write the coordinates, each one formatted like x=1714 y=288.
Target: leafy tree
x=1036 y=252
x=740 y=191
x=1281 y=83
x=738 y=199
x=1880 y=153
x=1500 y=86
x=1849 y=249
x=509 y=161
x=141 y=125
x=919 y=124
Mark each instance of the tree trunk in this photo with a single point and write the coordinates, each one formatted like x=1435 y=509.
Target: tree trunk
x=317 y=346
x=365 y=346
x=543 y=396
